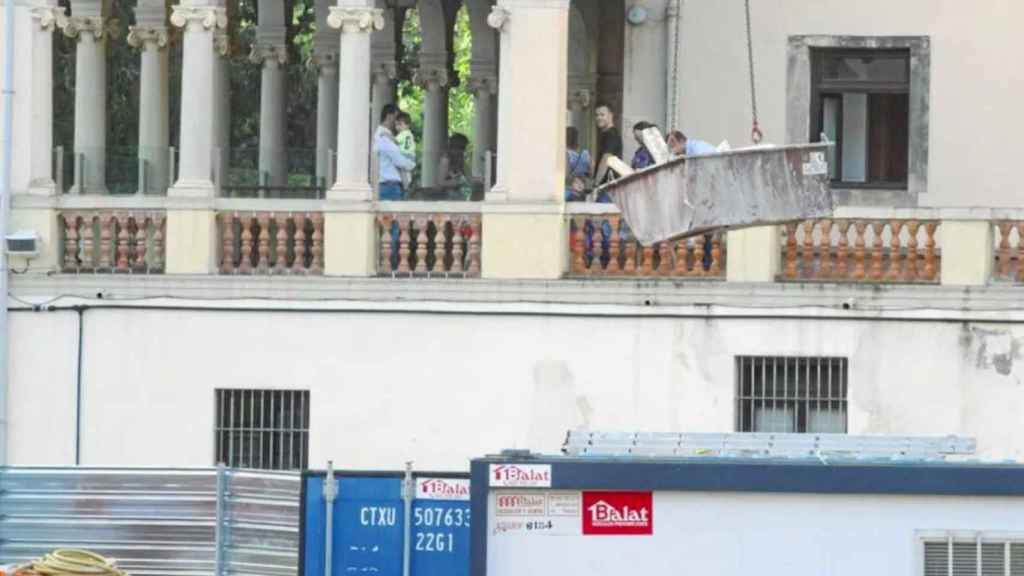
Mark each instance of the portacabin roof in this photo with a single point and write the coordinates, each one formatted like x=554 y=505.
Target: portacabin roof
x=774 y=475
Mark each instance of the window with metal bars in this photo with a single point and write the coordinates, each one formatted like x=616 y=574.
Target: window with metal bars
x=791 y=394
x=262 y=429
x=973 y=558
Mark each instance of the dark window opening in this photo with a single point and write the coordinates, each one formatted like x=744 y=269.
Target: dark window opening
x=861 y=101
x=791 y=395
x=262 y=429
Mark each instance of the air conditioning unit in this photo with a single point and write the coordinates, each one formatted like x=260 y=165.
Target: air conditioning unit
x=23 y=243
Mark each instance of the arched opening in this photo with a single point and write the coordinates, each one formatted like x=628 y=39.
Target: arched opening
x=437 y=45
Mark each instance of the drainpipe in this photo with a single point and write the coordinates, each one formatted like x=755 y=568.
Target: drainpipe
x=673 y=16
x=5 y=195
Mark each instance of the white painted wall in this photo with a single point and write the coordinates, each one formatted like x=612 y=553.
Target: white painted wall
x=440 y=389
x=741 y=534
x=974 y=99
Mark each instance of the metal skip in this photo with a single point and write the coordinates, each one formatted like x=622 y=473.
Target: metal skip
x=740 y=188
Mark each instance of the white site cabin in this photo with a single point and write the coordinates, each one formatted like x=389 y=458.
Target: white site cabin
x=580 y=516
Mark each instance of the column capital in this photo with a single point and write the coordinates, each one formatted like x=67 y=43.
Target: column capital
x=482 y=84
x=498 y=17
x=49 y=17
x=194 y=18
x=148 y=37
x=263 y=53
x=356 y=19
x=383 y=72
x=324 y=60
x=222 y=43
x=580 y=98
x=431 y=76
x=99 y=27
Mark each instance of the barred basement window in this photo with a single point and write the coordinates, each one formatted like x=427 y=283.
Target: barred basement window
x=973 y=558
x=780 y=394
x=262 y=429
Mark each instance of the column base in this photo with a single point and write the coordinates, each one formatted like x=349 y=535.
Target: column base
x=755 y=254
x=351 y=193
x=522 y=245
x=42 y=187
x=191 y=242
x=89 y=190
x=192 y=189
x=497 y=194
x=350 y=243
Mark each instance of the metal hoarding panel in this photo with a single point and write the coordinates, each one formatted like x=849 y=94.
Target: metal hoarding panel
x=152 y=521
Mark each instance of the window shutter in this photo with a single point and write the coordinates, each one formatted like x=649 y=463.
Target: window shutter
x=1016 y=559
x=936 y=559
x=993 y=559
x=965 y=559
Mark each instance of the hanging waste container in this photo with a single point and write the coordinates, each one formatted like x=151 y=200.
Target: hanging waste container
x=739 y=188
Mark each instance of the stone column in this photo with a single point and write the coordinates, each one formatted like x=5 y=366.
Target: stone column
x=200 y=21
x=580 y=101
x=326 y=113
x=350 y=224
x=154 y=119
x=222 y=107
x=484 y=88
x=191 y=231
x=525 y=235
x=90 y=102
x=32 y=169
x=384 y=75
x=356 y=19
x=272 y=56
x=384 y=68
x=433 y=78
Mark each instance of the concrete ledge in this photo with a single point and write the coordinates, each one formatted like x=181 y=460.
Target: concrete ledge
x=587 y=297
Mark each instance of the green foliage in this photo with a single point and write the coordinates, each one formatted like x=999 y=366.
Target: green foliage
x=123 y=78
x=410 y=96
x=460 y=101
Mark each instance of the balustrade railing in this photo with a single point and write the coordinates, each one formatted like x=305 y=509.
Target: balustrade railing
x=602 y=246
x=112 y=241
x=862 y=250
x=1009 y=237
x=271 y=242
x=437 y=245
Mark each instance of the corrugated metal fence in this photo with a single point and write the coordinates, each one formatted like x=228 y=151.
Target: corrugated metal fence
x=155 y=521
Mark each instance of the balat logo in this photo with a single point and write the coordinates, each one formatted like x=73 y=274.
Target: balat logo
x=442 y=489
x=622 y=513
x=521 y=475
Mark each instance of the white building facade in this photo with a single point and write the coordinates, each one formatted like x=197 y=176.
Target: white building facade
x=187 y=326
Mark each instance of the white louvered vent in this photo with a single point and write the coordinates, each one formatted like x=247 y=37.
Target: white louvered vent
x=973 y=558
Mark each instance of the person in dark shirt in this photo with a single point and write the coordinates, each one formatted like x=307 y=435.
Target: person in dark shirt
x=609 y=143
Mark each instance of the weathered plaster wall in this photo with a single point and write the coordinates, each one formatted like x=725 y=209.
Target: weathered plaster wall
x=439 y=389
x=973 y=101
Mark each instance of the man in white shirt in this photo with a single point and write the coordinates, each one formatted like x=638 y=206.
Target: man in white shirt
x=390 y=160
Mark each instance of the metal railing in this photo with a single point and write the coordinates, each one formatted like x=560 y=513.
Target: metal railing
x=155 y=521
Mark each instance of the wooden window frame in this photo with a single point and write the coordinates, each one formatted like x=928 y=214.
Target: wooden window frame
x=821 y=88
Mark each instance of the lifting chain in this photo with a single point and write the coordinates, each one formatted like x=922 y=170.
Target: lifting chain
x=755 y=132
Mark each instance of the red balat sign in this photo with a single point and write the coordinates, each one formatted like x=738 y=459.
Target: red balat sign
x=618 y=513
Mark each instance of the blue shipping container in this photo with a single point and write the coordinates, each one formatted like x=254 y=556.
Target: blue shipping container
x=368 y=525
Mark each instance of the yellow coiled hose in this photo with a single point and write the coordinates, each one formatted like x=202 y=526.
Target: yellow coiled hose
x=73 y=562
